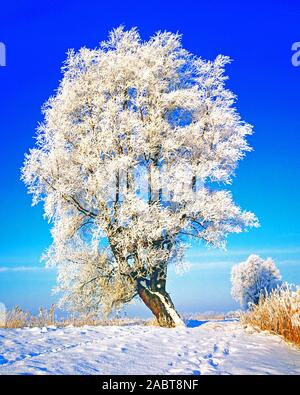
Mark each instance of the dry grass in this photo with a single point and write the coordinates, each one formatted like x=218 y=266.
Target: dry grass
x=278 y=313
x=17 y=318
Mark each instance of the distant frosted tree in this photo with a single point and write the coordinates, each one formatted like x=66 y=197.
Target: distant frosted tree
x=129 y=162
x=253 y=278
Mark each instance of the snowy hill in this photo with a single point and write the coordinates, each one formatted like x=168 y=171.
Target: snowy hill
x=210 y=347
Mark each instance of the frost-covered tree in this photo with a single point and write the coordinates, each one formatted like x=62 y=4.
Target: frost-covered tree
x=129 y=162
x=252 y=279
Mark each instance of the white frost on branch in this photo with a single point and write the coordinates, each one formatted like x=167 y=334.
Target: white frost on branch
x=178 y=321
x=135 y=146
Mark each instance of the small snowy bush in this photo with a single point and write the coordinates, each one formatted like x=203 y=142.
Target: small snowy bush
x=253 y=278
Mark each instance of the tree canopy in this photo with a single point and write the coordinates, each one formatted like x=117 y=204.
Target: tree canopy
x=132 y=159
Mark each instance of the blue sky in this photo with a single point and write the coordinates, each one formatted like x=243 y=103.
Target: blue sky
x=258 y=37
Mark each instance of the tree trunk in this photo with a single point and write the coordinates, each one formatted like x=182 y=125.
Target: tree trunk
x=157 y=299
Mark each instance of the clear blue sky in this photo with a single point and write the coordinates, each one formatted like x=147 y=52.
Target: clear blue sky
x=257 y=36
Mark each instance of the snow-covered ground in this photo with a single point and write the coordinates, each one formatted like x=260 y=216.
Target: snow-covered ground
x=222 y=347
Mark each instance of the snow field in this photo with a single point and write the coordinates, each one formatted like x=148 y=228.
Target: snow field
x=212 y=347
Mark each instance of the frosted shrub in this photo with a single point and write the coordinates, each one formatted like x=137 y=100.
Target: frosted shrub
x=278 y=312
x=252 y=279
